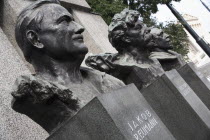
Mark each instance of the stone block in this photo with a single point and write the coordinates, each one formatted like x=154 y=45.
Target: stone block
x=180 y=109
x=142 y=77
x=13 y=126
x=123 y=114
x=197 y=81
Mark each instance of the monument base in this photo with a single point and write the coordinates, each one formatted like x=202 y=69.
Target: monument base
x=197 y=82
x=180 y=109
x=123 y=114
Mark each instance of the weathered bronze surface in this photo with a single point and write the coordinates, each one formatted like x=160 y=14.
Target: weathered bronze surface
x=52 y=42
x=147 y=49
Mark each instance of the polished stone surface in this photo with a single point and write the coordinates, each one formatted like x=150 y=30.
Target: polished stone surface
x=197 y=81
x=142 y=77
x=123 y=114
x=180 y=109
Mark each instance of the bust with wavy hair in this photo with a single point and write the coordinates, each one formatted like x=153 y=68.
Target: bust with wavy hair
x=144 y=48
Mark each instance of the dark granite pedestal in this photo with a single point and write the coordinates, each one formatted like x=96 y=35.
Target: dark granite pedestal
x=196 y=80
x=121 y=115
x=180 y=109
x=141 y=77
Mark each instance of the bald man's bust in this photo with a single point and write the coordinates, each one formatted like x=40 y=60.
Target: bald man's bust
x=52 y=42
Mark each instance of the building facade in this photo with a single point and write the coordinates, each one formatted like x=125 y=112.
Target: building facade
x=196 y=54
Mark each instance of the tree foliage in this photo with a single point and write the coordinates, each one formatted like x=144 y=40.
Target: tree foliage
x=178 y=36
x=108 y=8
x=146 y=7
x=176 y=32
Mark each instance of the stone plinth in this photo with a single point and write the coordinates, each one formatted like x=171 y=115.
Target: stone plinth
x=197 y=81
x=141 y=77
x=180 y=109
x=123 y=114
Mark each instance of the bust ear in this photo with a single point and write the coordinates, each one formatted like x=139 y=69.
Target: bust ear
x=34 y=39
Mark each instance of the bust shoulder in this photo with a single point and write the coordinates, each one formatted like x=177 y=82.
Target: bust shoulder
x=101 y=80
x=40 y=91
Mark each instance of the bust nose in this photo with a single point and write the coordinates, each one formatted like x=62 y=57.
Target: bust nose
x=78 y=28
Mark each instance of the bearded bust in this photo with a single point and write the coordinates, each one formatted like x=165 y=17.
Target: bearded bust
x=147 y=49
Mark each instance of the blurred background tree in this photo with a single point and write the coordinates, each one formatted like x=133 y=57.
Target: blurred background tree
x=108 y=8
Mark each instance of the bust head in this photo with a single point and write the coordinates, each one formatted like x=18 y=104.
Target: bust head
x=126 y=30
x=47 y=28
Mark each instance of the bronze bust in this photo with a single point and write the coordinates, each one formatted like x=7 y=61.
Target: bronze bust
x=51 y=41
x=147 y=49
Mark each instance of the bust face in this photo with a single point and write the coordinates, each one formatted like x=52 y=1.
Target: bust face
x=60 y=34
x=146 y=38
x=141 y=37
x=158 y=39
x=135 y=34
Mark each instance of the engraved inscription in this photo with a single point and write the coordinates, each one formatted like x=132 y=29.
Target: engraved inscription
x=142 y=125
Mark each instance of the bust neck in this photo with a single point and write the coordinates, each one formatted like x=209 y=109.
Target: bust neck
x=64 y=72
x=139 y=55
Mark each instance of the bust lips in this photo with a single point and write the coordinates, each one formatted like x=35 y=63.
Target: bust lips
x=77 y=37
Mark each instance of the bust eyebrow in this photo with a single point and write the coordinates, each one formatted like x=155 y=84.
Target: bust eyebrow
x=64 y=17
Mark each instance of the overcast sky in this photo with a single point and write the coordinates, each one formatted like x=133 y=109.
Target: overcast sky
x=191 y=7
